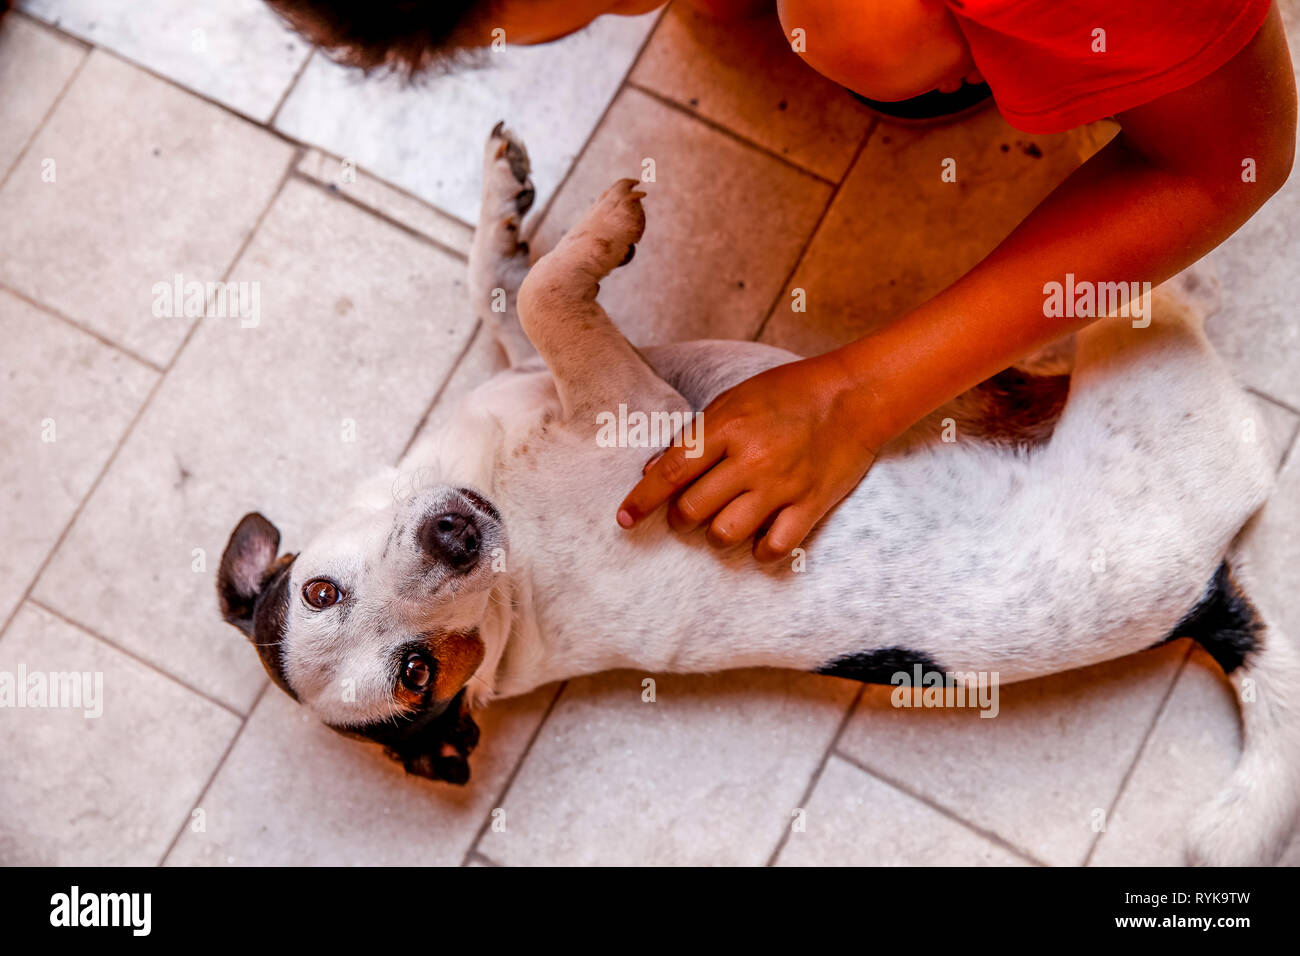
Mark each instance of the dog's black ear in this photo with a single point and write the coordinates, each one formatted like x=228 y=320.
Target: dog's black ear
x=435 y=744
x=440 y=751
x=246 y=565
x=253 y=590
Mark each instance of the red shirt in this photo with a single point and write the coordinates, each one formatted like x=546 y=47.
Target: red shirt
x=1050 y=70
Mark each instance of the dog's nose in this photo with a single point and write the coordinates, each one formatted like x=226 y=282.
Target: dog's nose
x=451 y=537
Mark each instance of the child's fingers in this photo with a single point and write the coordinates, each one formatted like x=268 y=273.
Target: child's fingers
x=788 y=531
x=663 y=479
x=740 y=519
x=706 y=496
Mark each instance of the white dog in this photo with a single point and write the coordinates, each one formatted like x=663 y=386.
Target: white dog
x=1056 y=532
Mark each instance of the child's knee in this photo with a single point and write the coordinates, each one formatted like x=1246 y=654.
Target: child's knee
x=882 y=49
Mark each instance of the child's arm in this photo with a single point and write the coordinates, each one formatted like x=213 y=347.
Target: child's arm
x=791 y=442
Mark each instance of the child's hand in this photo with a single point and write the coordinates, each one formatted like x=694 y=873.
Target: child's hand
x=779 y=450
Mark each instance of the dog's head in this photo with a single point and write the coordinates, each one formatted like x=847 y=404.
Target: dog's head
x=375 y=626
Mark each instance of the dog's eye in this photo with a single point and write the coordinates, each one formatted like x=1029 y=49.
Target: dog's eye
x=416 y=672
x=320 y=593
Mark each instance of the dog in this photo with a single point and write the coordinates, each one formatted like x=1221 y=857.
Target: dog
x=1082 y=515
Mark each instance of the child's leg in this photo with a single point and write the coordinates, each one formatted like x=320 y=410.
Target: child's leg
x=883 y=49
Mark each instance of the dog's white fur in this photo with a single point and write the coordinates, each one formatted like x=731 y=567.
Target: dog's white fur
x=980 y=556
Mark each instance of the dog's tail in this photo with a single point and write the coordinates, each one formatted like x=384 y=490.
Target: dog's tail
x=1249 y=822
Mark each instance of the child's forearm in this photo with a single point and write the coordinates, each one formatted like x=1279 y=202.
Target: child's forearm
x=1115 y=220
x=1149 y=204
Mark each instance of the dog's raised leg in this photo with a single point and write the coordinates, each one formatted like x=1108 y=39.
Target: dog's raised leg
x=498 y=259
x=595 y=367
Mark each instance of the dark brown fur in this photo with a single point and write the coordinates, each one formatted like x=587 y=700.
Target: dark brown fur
x=1016 y=407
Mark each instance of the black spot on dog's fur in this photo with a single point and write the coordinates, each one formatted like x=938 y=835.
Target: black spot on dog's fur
x=880 y=666
x=1223 y=621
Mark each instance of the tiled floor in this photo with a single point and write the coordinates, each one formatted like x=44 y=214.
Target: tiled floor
x=149 y=138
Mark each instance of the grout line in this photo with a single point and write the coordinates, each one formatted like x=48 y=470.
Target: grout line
x=812 y=233
x=1286 y=455
x=90 y=491
x=199 y=95
x=433 y=402
x=84 y=329
x=383 y=217
x=213 y=776
x=51 y=28
x=284 y=97
x=294 y=159
x=388 y=184
x=817 y=773
x=1292 y=440
x=1291 y=444
x=1142 y=749
x=942 y=810
x=514 y=772
x=645 y=44
x=737 y=137
x=1276 y=401
x=53 y=612
x=54 y=104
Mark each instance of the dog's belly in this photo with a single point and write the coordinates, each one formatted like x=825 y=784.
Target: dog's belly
x=967 y=554
x=937 y=556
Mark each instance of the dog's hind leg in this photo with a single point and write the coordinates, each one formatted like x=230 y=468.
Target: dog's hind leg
x=595 y=367
x=1250 y=820
x=498 y=259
